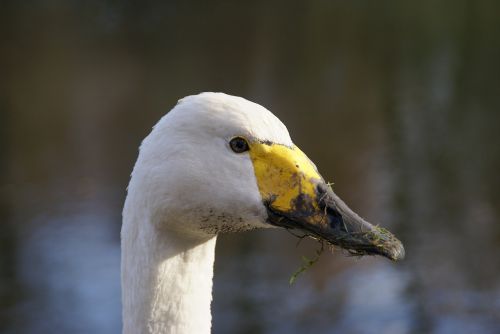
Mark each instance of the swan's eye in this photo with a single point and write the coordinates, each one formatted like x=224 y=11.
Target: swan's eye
x=239 y=145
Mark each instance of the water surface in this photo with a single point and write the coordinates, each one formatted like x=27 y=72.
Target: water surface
x=397 y=103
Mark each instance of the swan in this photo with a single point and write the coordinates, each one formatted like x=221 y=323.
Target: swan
x=218 y=163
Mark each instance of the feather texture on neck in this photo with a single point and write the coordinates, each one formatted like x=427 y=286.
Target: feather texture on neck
x=168 y=288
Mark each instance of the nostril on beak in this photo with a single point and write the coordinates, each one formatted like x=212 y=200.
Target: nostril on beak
x=335 y=219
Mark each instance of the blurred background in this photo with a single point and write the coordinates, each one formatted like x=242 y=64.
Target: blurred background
x=396 y=102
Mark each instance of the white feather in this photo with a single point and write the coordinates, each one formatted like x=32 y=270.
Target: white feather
x=186 y=186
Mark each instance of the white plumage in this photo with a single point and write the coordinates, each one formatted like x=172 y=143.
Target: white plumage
x=190 y=183
x=186 y=178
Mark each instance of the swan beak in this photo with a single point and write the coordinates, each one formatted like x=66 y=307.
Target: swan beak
x=296 y=197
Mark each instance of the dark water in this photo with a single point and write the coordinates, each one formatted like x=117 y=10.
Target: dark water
x=397 y=103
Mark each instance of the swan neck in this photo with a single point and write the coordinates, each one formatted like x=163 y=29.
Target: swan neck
x=166 y=281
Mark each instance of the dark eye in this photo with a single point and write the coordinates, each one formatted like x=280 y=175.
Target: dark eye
x=239 y=145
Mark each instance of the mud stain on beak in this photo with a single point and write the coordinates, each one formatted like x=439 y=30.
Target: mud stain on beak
x=298 y=198
x=336 y=224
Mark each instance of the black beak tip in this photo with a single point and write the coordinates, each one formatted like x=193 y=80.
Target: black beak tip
x=396 y=253
x=387 y=244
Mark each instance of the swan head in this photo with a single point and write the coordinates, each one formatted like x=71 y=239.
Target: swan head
x=219 y=163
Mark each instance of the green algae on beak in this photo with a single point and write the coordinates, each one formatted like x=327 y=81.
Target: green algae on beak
x=326 y=217
x=377 y=241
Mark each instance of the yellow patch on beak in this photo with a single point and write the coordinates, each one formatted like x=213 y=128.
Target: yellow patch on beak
x=283 y=173
x=297 y=197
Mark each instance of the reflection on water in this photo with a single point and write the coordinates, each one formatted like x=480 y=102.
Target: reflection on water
x=396 y=103
x=70 y=269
